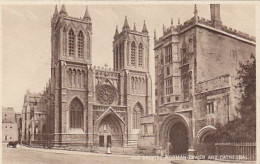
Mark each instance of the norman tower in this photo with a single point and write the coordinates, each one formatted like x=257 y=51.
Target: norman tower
x=195 y=77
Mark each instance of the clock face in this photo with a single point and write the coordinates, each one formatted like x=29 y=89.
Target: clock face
x=106 y=94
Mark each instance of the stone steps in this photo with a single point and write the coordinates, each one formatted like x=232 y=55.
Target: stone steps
x=131 y=144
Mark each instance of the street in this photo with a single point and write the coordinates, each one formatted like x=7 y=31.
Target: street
x=32 y=156
x=49 y=156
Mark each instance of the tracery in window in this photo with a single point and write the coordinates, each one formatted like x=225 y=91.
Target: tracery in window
x=140 y=55
x=71 y=42
x=80 y=44
x=76 y=114
x=133 y=51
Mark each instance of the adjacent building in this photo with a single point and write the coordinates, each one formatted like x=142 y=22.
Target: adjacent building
x=34 y=117
x=9 y=125
x=195 y=76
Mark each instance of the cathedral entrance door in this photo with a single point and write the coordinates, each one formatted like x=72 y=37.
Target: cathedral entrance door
x=101 y=141
x=109 y=140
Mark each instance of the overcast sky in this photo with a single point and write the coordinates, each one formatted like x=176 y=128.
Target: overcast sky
x=26 y=36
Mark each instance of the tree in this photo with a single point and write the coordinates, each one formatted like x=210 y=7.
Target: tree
x=243 y=127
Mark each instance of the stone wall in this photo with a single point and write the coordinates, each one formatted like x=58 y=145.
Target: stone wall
x=218 y=54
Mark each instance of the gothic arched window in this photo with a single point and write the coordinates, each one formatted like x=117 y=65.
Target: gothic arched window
x=140 y=55
x=133 y=49
x=76 y=114
x=137 y=112
x=64 y=42
x=71 y=43
x=80 y=44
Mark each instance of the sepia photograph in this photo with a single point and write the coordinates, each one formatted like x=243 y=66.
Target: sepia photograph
x=128 y=82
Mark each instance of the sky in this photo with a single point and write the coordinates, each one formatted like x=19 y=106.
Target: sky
x=26 y=36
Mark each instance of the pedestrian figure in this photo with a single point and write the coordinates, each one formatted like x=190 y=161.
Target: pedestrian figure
x=109 y=148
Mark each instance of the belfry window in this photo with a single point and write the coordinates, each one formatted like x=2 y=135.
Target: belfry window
x=64 y=42
x=71 y=43
x=133 y=49
x=76 y=114
x=140 y=55
x=80 y=44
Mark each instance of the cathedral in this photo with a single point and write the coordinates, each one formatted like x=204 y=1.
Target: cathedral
x=195 y=77
x=92 y=105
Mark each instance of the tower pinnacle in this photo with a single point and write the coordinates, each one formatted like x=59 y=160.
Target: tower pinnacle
x=56 y=10
x=86 y=15
x=63 y=11
x=195 y=10
x=134 y=27
x=116 y=33
x=126 y=25
x=144 y=28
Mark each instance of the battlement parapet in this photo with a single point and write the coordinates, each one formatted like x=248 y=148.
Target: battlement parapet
x=103 y=71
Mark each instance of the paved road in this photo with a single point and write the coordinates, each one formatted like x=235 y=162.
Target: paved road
x=34 y=156
x=47 y=156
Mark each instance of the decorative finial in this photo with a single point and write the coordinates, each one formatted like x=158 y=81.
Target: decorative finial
x=63 y=10
x=171 y=21
x=164 y=29
x=144 y=28
x=126 y=25
x=56 y=10
x=86 y=15
x=195 y=10
x=116 y=33
x=179 y=22
x=154 y=34
x=134 y=27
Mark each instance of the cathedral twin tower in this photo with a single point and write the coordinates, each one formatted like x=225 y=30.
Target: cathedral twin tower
x=98 y=106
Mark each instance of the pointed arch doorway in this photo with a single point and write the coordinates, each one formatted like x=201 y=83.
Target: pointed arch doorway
x=109 y=129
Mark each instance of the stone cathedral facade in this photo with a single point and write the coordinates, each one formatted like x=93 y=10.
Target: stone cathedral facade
x=92 y=105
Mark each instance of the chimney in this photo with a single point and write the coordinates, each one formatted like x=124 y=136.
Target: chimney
x=215 y=15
